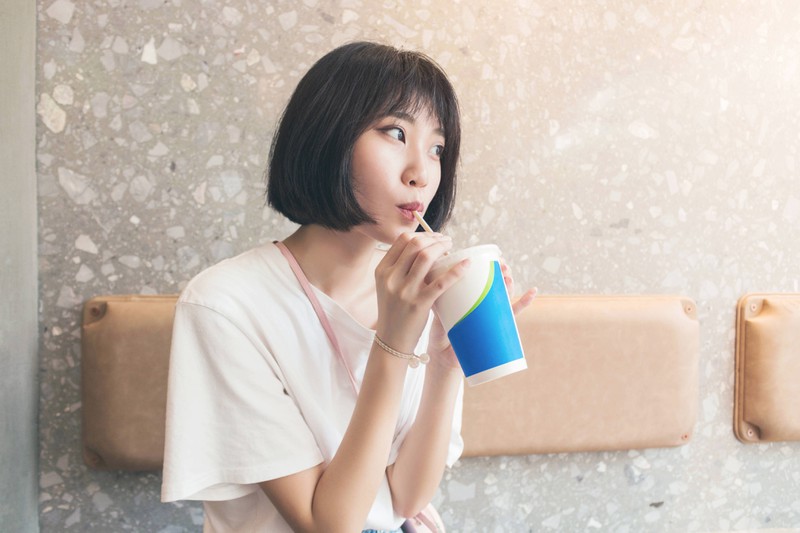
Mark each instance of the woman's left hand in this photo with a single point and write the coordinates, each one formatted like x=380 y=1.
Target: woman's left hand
x=439 y=347
x=523 y=301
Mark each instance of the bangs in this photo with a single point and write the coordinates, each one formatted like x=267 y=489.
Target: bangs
x=414 y=86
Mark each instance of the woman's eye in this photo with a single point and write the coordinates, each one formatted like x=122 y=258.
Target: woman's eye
x=437 y=150
x=396 y=133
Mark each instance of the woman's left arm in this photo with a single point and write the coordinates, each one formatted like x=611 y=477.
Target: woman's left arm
x=418 y=469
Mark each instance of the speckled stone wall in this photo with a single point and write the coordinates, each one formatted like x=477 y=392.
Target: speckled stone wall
x=609 y=147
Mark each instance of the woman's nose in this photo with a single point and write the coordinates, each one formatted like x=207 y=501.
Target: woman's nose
x=416 y=171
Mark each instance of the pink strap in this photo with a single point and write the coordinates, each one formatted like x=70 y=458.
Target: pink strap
x=323 y=317
x=428 y=522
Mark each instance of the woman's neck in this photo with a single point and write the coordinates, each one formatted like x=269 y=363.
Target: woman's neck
x=340 y=264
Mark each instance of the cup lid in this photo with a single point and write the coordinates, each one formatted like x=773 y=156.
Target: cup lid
x=489 y=251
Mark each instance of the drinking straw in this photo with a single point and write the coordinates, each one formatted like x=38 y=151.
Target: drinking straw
x=422 y=222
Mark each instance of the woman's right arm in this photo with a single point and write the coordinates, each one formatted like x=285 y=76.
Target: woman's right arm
x=338 y=497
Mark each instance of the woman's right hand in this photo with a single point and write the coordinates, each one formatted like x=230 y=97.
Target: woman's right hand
x=404 y=297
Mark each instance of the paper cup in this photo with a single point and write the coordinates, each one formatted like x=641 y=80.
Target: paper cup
x=476 y=313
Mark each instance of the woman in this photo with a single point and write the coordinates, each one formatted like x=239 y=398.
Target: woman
x=283 y=418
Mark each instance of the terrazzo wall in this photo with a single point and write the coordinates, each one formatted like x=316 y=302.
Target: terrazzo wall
x=609 y=147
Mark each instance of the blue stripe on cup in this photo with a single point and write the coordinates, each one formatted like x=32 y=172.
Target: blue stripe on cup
x=486 y=337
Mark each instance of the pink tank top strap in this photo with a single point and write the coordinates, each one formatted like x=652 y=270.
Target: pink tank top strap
x=323 y=317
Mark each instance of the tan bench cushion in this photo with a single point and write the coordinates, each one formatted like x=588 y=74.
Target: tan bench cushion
x=767 y=391
x=604 y=373
x=125 y=345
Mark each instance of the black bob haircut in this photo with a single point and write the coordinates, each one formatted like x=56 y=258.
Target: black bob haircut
x=340 y=97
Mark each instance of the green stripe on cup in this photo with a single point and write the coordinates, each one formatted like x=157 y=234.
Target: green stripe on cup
x=483 y=293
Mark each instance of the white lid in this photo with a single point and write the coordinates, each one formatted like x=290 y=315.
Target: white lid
x=489 y=251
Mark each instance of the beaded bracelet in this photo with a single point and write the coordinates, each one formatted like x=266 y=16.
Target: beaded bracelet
x=413 y=359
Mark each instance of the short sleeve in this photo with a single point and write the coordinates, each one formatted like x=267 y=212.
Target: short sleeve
x=230 y=422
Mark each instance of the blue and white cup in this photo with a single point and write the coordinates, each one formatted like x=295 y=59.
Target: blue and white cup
x=476 y=313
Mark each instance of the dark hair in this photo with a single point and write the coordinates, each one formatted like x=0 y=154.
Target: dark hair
x=345 y=92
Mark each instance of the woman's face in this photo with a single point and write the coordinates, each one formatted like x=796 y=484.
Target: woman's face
x=396 y=170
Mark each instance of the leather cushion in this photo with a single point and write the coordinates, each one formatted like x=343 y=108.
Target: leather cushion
x=604 y=373
x=767 y=390
x=125 y=345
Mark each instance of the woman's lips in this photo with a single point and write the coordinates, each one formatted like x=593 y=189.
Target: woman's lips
x=407 y=210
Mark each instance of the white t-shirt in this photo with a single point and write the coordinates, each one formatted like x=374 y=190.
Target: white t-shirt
x=256 y=392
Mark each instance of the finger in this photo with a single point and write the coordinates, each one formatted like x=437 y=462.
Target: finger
x=445 y=280
x=508 y=279
x=425 y=259
x=423 y=247
x=389 y=263
x=524 y=301
x=410 y=241
x=397 y=248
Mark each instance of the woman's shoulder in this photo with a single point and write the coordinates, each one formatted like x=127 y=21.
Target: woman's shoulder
x=250 y=276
